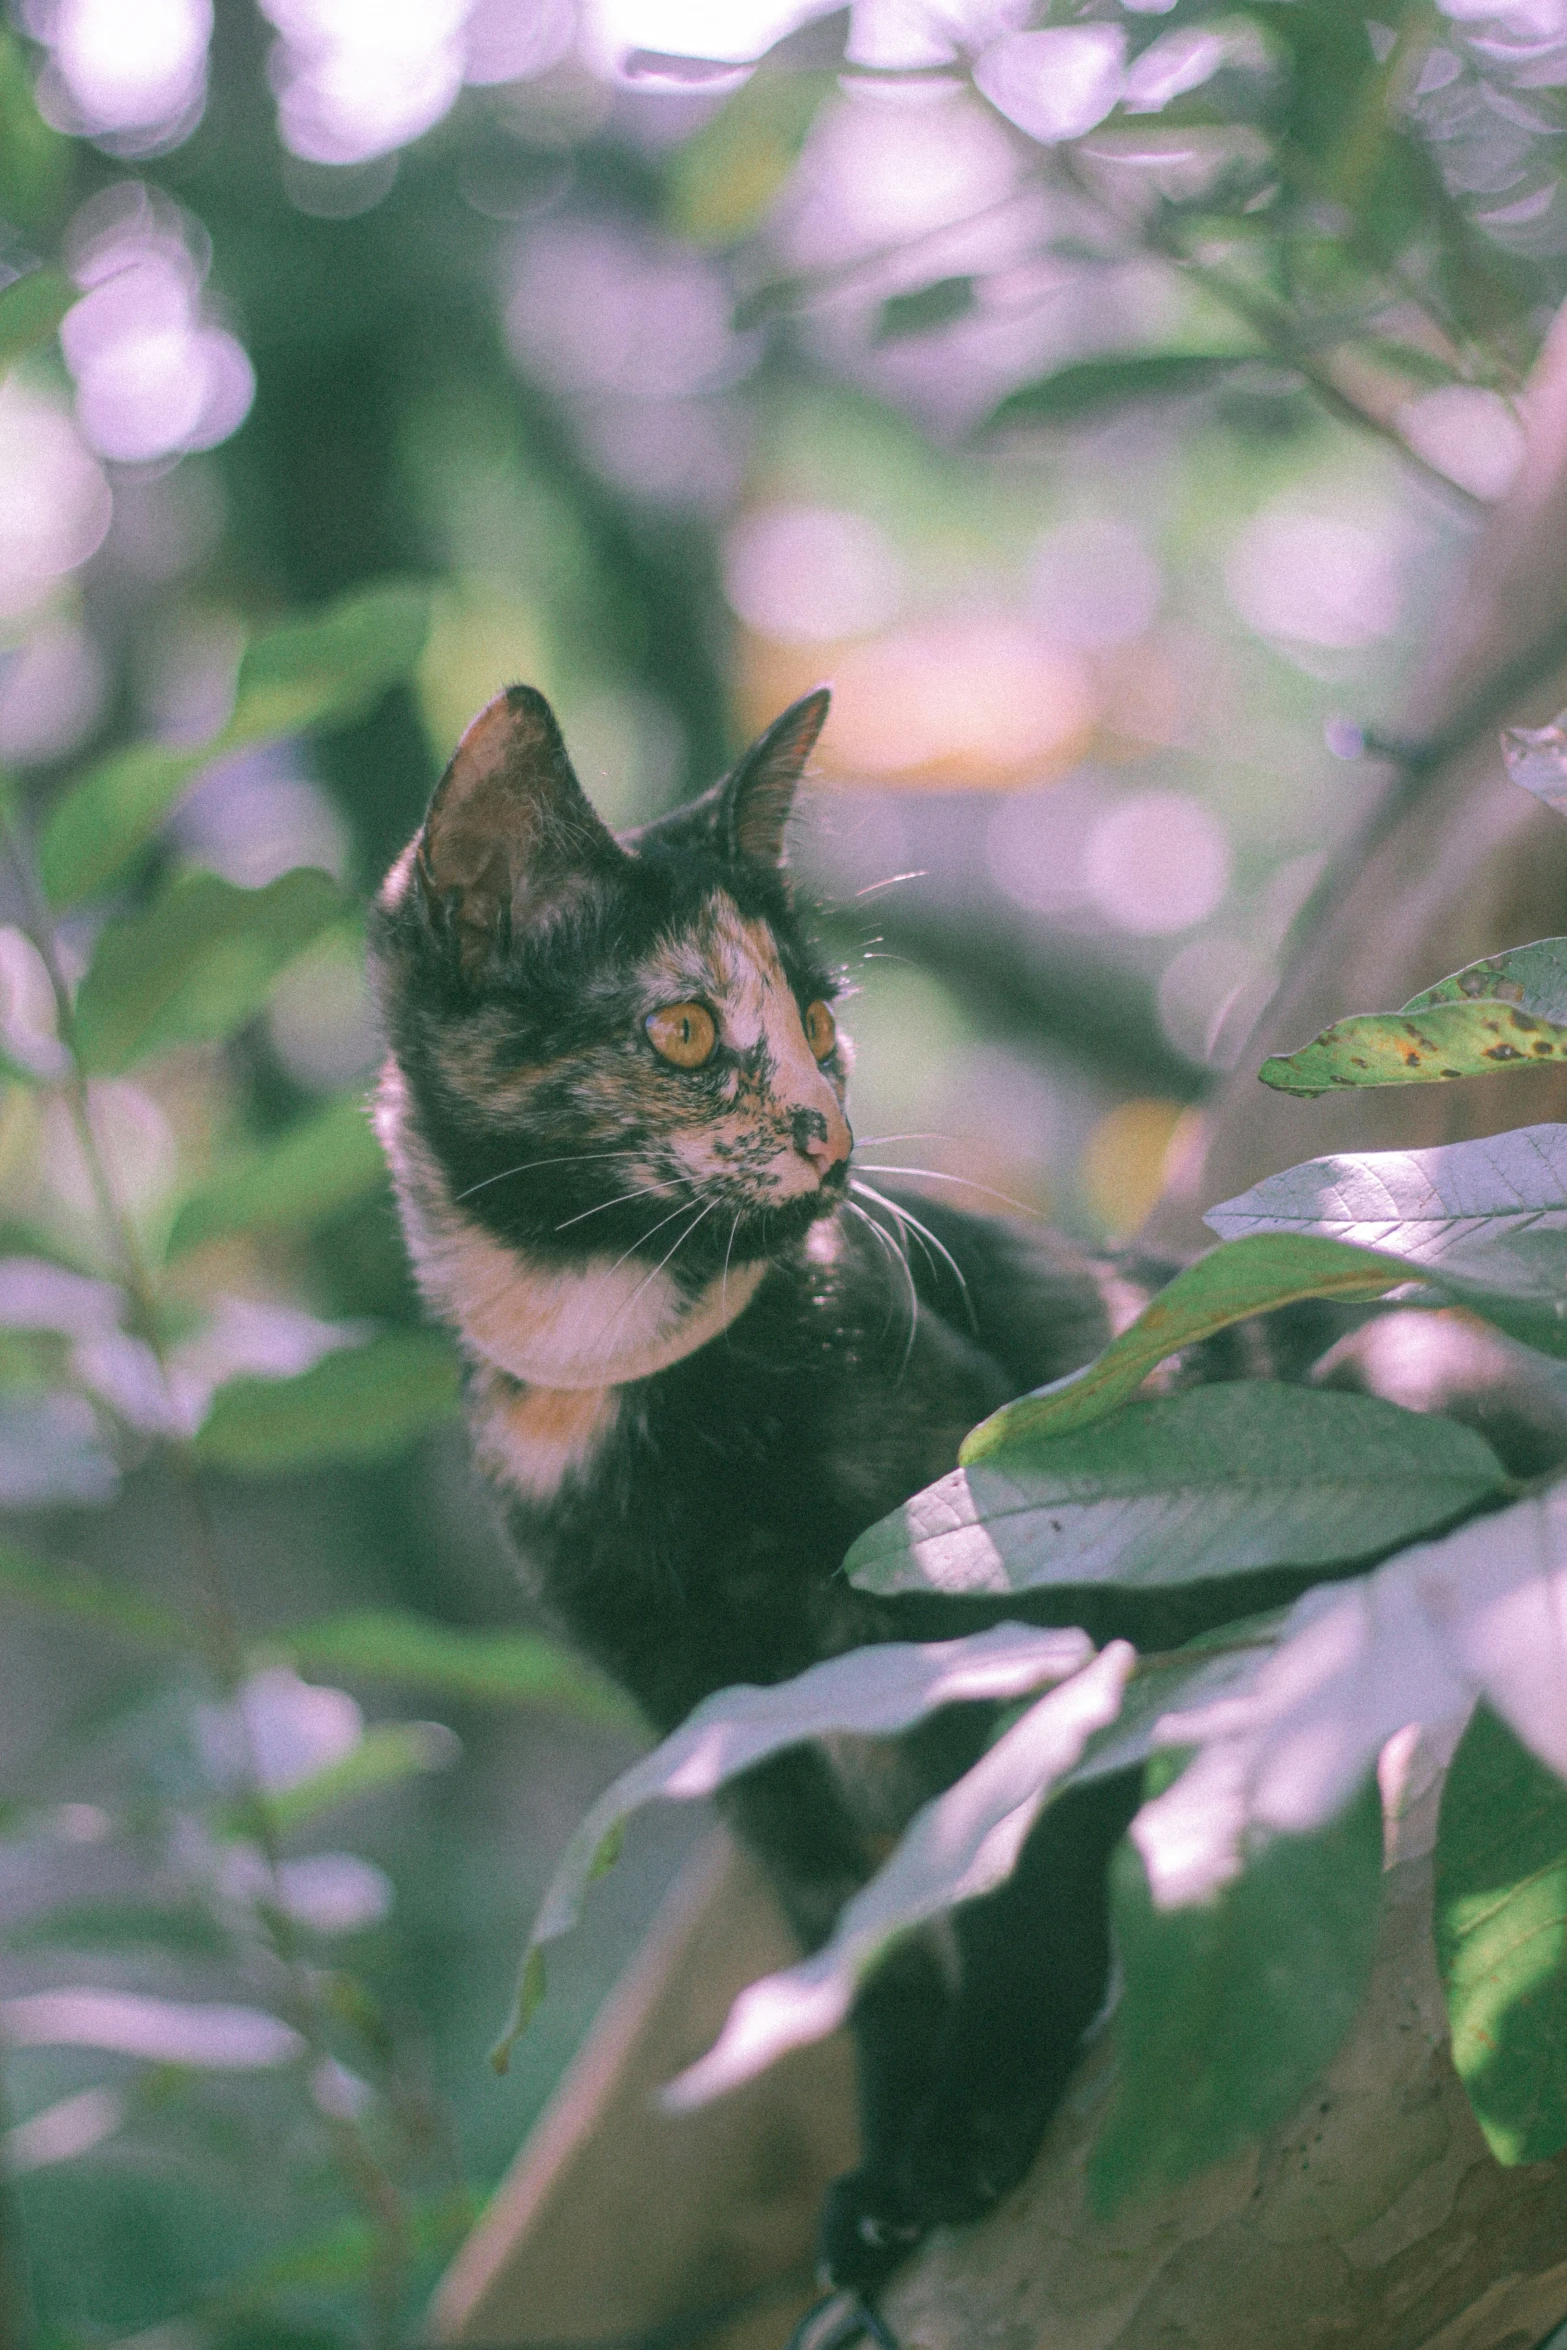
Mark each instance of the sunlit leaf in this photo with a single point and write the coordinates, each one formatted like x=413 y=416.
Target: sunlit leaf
x=362 y=1403
x=1088 y=385
x=196 y=964
x=874 y=1692
x=958 y=1847
x=510 y=1668
x=323 y=669
x=1507 y=1012
x=298 y=1180
x=1246 y=1277
x=1429 y=1205
x=1501 y=1937
x=1220 y=1663
x=921 y=313
x=31 y=309
x=388 y=1753
x=1218 y=1481
x=724 y=180
x=1536 y=757
x=1230 y=2009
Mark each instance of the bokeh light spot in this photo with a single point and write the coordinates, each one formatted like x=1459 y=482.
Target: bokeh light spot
x=1155 y=862
x=811 y=574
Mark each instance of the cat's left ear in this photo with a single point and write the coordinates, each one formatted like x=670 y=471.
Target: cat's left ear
x=754 y=800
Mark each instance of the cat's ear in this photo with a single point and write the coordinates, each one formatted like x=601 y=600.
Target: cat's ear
x=510 y=836
x=755 y=799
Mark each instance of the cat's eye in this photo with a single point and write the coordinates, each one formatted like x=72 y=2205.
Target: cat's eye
x=682 y=1033
x=821 y=1030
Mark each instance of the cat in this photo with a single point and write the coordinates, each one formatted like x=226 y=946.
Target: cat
x=700 y=1360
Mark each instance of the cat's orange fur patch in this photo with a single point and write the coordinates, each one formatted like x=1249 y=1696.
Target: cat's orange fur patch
x=533 y=1439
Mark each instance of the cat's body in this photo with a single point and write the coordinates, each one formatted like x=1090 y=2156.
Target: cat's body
x=615 y=1116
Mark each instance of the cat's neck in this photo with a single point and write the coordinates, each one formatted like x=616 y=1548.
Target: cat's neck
x=596 y=1324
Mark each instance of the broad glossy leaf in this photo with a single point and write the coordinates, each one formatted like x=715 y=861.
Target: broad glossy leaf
x=1218 y=1481
x=31 y=309
x=1229 y=1284
x=1230 y=2009
x=511 y=1668
x=357 y=1405
x=1430 y=1046
x=958 y=1847
x=196 y=964
x=871 y=1692
x=1091 y=384
x=923 y=312
x=1428 y=1205
x=1501 y=1938
x=388 y=1753
x=292 y=1183
x=1536 y=757
x=323 y=669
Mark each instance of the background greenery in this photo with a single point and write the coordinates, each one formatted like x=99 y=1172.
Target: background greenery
x=1101 y=458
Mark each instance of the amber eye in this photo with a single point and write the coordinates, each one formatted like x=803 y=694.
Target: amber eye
x=682 y=1033
x=821 y=1030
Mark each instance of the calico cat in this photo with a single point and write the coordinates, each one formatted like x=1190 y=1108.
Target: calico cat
x=698 y=1365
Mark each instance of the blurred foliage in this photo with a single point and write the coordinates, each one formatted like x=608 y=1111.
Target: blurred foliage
x=1099 y=457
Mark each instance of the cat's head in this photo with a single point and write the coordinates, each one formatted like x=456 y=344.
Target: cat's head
x=605 y=1045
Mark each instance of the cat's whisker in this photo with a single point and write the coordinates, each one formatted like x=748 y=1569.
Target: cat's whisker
x=891 y=1245
x=623 y=1199
x=723 y=1287
x=636 y=1244
x=935 y=1175
x=928 y=1240
x=891 y=882
x=527 y=1166
x=680 y=1242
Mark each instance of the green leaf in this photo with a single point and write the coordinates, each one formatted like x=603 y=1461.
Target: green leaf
x=1433 y=1206
x=198 y=963
x=1218 y=1481
x=66 y=1591
x=388 y=1753
x=1228 y=1285
x=1507 y=1012
x=184 y=1928
x=329 y=666
x=921 y=313
x=510 y=1668
x=724 y=180
x=1220 y=1663
x=1501 y=1938
x=296 y=1181
x=1231 y=2008
x=358 y=1405
x=956 y=1849
x=1088 y=385
x=873 y=1692
x=321 y=670
x=31 y=309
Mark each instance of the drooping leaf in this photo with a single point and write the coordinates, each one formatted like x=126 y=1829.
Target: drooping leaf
x=1218 y=1481
x=922 y=312
x=1501 y=1938
x=388 y=1753
x=1087 y=385
x=1478 y=1029
x=509 y=1668
x=1429 y=1205
x=1244 y=1277
x=724 y=180
x=873 y=1692
x=1231 y=2008
x=1536 y=757
x=958 y=1847
x=66 y=1591
x=359 y=1404
x=293 y=1183
x=320 y=670
x=196 y=964
x=31 y=309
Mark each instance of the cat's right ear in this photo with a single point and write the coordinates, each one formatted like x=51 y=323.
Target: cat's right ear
x=510 y=838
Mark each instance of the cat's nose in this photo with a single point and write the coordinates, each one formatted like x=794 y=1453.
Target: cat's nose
x=823 y=1139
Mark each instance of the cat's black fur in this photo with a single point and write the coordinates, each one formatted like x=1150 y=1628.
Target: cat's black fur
x=686 y=1524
